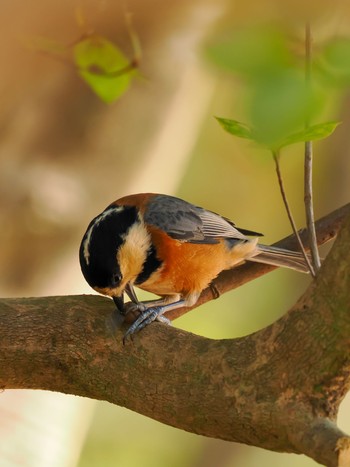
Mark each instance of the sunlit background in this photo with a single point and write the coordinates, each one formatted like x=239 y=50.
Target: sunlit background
x=65 y=155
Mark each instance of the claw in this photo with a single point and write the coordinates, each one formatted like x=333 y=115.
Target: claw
x=146 y=317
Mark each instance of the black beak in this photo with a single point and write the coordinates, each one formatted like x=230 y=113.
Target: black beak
x=119 y=303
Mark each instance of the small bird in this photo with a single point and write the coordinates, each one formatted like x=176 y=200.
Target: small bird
x=169 y=247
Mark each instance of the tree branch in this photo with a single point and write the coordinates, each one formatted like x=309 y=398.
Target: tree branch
x=279 y=388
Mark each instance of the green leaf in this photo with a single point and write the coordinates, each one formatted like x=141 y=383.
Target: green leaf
x=241 y=130
x=312 y=133
x=103 y=67
x=280 y=104
x=336 y=58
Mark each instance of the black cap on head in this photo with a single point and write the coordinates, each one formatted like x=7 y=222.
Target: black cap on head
x=99 y=246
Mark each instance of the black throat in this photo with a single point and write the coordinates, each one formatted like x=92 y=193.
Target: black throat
x=151 y=264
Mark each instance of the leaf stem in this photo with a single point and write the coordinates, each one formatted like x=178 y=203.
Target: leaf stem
x=308 y=157
x=276 y=157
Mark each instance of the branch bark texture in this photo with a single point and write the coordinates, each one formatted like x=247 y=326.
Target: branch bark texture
x=279 y=388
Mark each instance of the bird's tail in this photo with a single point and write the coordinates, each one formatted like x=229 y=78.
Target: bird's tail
x=280 y=257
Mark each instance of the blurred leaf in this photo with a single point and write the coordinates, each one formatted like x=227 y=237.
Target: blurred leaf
x=251 y=51
x=312 y=133
x=241 y=130
x=281 y=103
x=103 y=66
x=278 y=100
x=336 y=59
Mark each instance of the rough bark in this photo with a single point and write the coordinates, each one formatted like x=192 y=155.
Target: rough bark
x=279 y=388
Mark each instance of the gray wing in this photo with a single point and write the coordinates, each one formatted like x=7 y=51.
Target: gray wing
x=189 y=223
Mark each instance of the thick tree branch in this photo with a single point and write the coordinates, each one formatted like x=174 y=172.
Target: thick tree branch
x=279 y=388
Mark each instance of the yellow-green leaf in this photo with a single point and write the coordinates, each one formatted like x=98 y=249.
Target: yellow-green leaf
x=103 y=67
x=312 y=133
x=241 y=130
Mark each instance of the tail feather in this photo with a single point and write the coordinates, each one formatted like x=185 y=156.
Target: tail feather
x=280 y=257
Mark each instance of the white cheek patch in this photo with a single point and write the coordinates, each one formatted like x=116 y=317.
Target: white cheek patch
x=98 y=219
x=133 y=252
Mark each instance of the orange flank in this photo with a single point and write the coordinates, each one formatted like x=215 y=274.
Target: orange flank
x=188 y=268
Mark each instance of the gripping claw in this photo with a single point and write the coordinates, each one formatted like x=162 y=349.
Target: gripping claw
x=146 y=317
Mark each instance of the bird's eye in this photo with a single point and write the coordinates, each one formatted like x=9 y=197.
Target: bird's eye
x=117 y=277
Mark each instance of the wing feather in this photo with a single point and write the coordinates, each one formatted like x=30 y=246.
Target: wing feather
x=184 y=221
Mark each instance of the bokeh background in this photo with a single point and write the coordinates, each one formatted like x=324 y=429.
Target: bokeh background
x=65 y=155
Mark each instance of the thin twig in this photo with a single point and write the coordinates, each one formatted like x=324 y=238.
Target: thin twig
x=308 y=199
x=289 y=212
x=134 y=38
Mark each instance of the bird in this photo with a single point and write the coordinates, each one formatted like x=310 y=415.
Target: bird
x=169 y=247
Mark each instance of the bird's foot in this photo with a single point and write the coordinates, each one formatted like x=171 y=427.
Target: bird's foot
x=147 y=316
x=133 y=310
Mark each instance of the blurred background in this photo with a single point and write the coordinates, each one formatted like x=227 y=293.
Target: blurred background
x=65 y=155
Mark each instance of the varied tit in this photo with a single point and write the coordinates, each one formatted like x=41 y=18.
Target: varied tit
x=169 y=247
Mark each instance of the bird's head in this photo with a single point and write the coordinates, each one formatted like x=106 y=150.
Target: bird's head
x=113 y=251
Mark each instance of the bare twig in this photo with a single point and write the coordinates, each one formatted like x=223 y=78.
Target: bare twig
x=134 y=38
x=289 y=212
x=309 y=211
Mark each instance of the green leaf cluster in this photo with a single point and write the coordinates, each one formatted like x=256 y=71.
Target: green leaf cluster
x=278 y=98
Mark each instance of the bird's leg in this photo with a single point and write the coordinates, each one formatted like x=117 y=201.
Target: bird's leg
x=132 y=307
x=130 y=291
x=136 y=306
